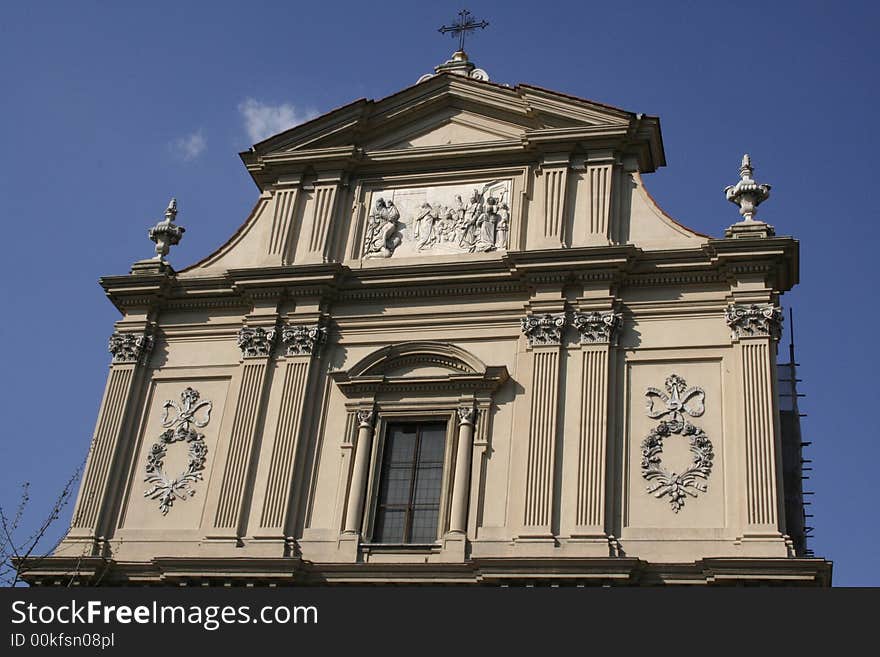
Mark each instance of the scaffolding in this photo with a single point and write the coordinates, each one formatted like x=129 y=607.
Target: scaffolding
x=795 y=468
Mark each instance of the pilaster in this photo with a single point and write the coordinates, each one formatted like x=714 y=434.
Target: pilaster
x=597 y=332
x=555 y=170
x=544 y=334
x=600 y=176
x=347 y=444
x=754 y=330
x=318 y=225
x=479 y=457
x=301 y=344
x=286 y=198
x=92 y=516
x=256 y=339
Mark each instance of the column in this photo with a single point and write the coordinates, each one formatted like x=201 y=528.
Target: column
x=756 y=327
x=544 y=333
x=355 y=510
x=461 y=484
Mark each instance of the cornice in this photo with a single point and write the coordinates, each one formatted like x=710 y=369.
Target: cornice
x=137 y=290
x=318 y=127
x=542 y=99
x=494 y=149
x=561 y=266
x=311 y=155
x=189 y=303
x=61 y=571
x=677 y=308
x=700 y=277
x=445 y=88
x=504 y=322
x=717 y=261
x=570 y=135
x=432 y=289
x=359 y=386
x=314 y=275
x=777 y=256
x=266 y=169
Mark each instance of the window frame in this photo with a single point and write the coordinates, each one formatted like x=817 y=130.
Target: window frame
x=384 y=419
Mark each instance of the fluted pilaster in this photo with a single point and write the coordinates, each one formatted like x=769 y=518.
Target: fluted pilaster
x=541 y=457
x=760 y=436
x=282 y=221
x=122 y=398
x=592 y=441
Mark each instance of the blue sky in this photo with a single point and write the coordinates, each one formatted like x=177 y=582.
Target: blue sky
x=107 y=109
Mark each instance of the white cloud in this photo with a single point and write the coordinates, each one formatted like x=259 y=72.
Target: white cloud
x=189 y=147
x=262 y=120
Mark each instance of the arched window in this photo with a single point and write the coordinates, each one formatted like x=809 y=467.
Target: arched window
x=416 y=406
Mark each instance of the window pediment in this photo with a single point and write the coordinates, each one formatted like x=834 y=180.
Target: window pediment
x=415 y=367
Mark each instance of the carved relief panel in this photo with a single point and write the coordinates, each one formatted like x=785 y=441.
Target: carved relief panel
x=181 y=422
x=175 y=454
x=674 y=446
x=438 y=220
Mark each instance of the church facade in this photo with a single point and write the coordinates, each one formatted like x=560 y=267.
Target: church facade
x=455 y=342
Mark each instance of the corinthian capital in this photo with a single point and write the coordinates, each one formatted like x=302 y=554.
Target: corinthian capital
x=756 y=320
x=466 y=414
x=303 y=339
x=365 y=418
x=256 y=342
x=597 y=326
x=544 y=329
x=129 y=347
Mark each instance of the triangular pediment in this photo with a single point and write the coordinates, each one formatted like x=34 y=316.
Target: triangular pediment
x=444 y=128
x=451 y=132
x=442 y=111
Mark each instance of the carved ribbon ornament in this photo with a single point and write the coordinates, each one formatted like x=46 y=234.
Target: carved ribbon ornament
x=674 y=408
x=178 y=420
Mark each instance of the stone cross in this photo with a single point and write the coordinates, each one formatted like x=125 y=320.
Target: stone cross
x=465 y=25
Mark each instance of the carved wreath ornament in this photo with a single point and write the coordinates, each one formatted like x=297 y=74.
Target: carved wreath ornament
x=179 y=422
x=673 y=408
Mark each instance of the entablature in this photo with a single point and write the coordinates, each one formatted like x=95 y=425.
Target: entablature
x=773 y=261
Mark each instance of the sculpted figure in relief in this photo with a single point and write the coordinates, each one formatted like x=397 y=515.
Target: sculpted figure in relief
x=466 y=231
x=502 y=226
x=438 y=221
x=424 y=231
x=458 y=209
x=486 y=224
x=446 y=226
x=382 y=235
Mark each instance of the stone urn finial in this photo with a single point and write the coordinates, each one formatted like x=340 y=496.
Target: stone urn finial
x=747 y=193
x=166 y=233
